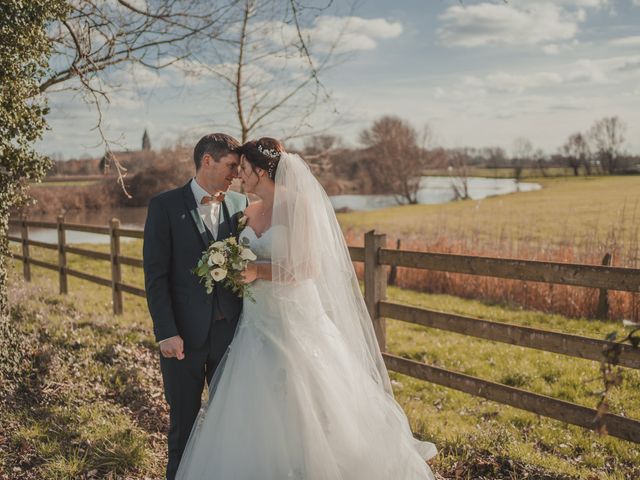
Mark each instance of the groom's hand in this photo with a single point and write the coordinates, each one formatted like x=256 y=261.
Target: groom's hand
x=172 y=347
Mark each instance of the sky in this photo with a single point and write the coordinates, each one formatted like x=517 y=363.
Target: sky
x=478 y=73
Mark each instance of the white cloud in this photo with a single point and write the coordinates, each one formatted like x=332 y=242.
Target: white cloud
x=135 y=75
x=191 y=72
x=585 y=71
x=349 y=34
x=125 y=99
x=636 y=2
x=633 y=41
x=551 y=49
x=582 y=3
x=509 y=88
x=488 y=23
x=328 y=33
x=631 y=66
x=502 y=82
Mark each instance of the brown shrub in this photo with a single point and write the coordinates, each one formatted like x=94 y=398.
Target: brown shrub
x=52 y=200
x=152 y=172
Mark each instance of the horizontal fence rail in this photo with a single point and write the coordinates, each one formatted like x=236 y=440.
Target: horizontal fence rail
x=376 y=258
x=129 y=232
x=87 y=253
x=77 y=227
x=621 y=427
x=611 y=278
x=549 y=341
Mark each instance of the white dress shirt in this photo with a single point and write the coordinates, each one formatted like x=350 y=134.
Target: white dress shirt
x=210 y=214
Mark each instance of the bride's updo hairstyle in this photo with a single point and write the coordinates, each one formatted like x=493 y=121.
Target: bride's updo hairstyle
x=263 y=153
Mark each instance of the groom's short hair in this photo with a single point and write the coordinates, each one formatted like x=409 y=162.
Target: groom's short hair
x=215 y=144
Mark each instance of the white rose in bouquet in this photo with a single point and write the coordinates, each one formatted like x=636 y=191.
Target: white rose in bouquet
x=216 y=258
x=218 y=274
x=247 y=254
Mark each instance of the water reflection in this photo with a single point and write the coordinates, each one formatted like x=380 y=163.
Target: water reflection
x=435 y=190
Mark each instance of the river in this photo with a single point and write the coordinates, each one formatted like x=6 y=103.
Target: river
x=433 y=190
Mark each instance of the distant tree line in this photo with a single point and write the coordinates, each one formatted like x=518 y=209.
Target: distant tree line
x=391 y=158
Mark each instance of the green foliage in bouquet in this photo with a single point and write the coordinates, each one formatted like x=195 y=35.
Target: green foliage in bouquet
x=223 y=262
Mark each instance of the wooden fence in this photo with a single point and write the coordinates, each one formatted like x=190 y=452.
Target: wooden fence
x=115 y=258
x=376 y=257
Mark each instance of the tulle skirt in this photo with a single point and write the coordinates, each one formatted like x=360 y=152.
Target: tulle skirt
x=289 y=401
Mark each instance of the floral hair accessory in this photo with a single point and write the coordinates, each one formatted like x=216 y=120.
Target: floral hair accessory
x=272 y=167
x=269 y=152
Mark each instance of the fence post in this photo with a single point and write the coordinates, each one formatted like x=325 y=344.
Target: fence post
x=62 y=255
x=375 y=283
x=26 y=266
x=393 y=272
x=603 y=301
x=116 y=270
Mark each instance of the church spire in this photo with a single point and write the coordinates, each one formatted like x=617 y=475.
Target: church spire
x=146 y=143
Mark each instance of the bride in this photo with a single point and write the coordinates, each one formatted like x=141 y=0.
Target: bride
x=303 y=392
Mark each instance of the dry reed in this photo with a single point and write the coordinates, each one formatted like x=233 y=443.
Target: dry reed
x=588 y=248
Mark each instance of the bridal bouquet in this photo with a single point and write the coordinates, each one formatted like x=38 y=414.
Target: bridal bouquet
x=223 y=262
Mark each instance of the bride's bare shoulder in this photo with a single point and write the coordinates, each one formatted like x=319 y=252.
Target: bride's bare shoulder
x=252 y=208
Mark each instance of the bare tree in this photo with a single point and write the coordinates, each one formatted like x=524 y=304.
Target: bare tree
x=540 y=160
x=270 y=66
x=459 y=172
x=100 y=37
x=521 y=152
x=242 y=42
x=494 y=158
x=319 y=152
x=575 y=153
x=607 y=135
x=97 y=36
x=397 y=158
x=318 y=145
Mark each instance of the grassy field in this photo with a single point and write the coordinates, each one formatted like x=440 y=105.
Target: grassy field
x=581 y=211
x=503 y=172
x=88 y=400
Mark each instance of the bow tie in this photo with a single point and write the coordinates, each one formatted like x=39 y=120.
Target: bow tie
x=208 y=200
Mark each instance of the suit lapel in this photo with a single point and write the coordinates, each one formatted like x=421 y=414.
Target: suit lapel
x=192 y=209
x=224 y=222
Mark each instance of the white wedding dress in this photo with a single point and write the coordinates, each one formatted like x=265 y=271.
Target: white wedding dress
x=293 y=398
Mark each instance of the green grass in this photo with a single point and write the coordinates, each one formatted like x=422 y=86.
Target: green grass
x=87 y=402
x=582 y=211
x=463 y=425
x=89 y=399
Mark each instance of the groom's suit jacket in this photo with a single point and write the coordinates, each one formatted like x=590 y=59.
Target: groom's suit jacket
x=174 y=239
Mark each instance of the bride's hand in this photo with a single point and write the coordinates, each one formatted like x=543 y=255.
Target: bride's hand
x=250 y=274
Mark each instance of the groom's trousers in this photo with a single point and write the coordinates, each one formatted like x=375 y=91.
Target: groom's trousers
x=184 y=383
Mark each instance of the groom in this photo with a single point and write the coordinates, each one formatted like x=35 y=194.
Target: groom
x=193 y=328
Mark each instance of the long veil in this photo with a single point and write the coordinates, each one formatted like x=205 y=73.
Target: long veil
x=308 y=244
